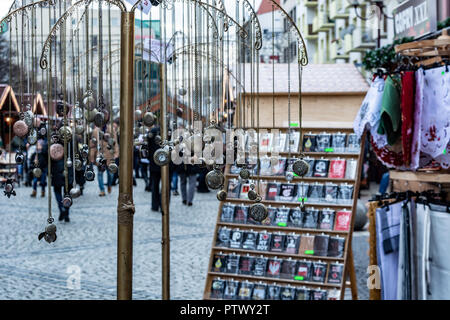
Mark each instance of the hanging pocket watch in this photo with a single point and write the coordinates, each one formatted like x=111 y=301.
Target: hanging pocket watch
x=56 y=151
x=89 y=174
x=60 y=109
x=37 y=172
x=20 y=128
x=215 y=179
x=149 y=118
x=162 y=156
x=90 y=114
x=43 y=130
x=113 y=168
x=252 y=194
x=49 y=234
x=28 y=118
x=222 y=195
x=19 y=157
x=78 y=164
x=79 y=128
x=67 y=201
x=9 y=188
x=89 y=102
x=300 y=167
x=99 y=119
x=258 y=212
x=84 y=151
x=65 y=133
x=32 y=137
x=244 y=174
x=75 y=192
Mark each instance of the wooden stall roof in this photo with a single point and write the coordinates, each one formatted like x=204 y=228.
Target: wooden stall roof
x=317 y=79
x=37 y=102
x=5 y=92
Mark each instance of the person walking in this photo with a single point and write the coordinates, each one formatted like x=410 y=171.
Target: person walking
x=40 y=158
x=188 y=182
x=103 y=143
x=58 y=183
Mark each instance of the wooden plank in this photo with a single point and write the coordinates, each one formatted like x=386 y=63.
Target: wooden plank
x=432 y=176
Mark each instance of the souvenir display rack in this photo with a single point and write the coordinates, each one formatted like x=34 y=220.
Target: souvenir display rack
x=345 y=261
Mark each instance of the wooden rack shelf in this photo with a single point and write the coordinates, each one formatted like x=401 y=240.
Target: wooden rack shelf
x=277 y=254
x=282 y=229
x=271 y=280
x=346 y=260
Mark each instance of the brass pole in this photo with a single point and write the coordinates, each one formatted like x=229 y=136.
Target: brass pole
x=164 y=193
x=125 y=210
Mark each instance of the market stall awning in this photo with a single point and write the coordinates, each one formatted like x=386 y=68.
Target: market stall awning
x=6 y=95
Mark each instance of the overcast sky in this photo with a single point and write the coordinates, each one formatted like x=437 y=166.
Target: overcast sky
x=6 y=4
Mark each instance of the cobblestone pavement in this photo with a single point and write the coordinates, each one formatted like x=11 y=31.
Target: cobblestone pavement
x=30 y=269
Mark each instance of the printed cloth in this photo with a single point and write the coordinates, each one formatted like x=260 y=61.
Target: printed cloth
x=407 y=108
x=431 y=132
x=388 y=232
x=390 y=118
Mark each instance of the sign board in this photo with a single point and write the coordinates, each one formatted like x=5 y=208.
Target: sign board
x=415 y=18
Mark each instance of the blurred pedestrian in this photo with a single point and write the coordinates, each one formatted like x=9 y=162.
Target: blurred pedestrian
x=58 y=183
x=40 y=158
x=188 y=182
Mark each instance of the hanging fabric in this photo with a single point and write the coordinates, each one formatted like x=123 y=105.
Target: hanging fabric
x=407 y=110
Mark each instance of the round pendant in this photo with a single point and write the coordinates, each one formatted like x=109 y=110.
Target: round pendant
x=222 y=195
x=79 y=129
x=20 y=128
x=244 y=174
x=50 y=233
x=28 y=118
x=67 y=201
x=161 y=157
x=19 y=157
x=90 y=114
x=43 y=131
x=37 y=172
x=89 y=102
x=32 y=137
x=113 y=168
x=75 y=192
x=138 y=114
x=252 y=195
x=149 y=119
x=56 y=151
x=214 y=179
x=89 y=174
x=78 y=165
x=182 y=92
x=300 y=167
x=65 y=133
x=84 y=151
x=258 y=212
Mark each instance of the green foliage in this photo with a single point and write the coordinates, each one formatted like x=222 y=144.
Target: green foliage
x=383 y=57
x=444 y=24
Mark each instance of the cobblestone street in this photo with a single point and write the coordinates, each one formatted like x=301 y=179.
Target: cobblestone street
x=30 y=269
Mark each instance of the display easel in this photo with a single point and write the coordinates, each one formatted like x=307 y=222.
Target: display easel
x=346 y=260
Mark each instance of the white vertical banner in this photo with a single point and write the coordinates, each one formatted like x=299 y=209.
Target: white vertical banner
x=145 y=5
